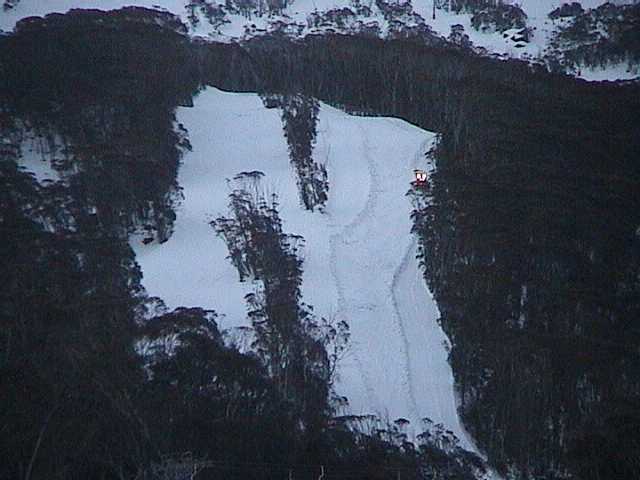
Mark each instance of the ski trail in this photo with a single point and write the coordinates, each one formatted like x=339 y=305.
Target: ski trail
x=400 y=325
x=347 y=236
x=435 y=398
x=372 y=195
x=407 y=380
x=408 y=278
x=438 y=385
x=359 y=252
x=366 y=380
x=398 y=318
x=341 y=237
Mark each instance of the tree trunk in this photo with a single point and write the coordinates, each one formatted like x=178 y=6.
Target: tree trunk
x=36 y=448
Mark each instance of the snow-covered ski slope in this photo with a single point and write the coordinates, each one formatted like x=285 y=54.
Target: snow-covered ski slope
x=359 y=256
x=296 y=21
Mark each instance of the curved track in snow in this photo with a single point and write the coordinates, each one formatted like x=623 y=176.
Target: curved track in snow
x=385 y=316
x=409 y=255
x=342 y=238
x=400 y=322
x=399 y=349
x=435 y=387
x=401 y=328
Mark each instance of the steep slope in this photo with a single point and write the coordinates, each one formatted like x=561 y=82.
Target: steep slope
x=359 y=257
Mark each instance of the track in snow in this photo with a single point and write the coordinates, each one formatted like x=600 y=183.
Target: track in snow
x=384 y=313
x=398 y=344
x=342 y=238
x=409 y=256
x=401 y=330
x=437 y=392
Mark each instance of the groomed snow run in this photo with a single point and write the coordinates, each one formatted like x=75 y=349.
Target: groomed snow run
x=359 y=256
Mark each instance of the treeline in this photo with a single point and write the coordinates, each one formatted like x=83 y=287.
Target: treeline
x=299 y=123
x=596 y=38
x=491 y=15
x=87 y=100
x=289 y=339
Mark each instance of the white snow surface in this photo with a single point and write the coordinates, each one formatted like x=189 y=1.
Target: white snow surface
x=537 y=12
x=36 y=157
x=359 y=256
x=295 y=18
x=610 y=73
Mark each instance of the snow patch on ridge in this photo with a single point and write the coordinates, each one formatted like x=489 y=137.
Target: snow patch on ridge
x=611 y=73
x=383 y=19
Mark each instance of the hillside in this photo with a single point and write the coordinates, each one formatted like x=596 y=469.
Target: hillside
x=594 y=40
x=218 y=264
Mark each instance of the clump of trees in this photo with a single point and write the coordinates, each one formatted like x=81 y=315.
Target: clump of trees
x=299 y=122
x=596 y=37
x=95 y=115
x=566 y=10
x=488 y=15
x=501 y=18
x=68 y=371
x=214 y=12
x=289 y=339
x=217 y=13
